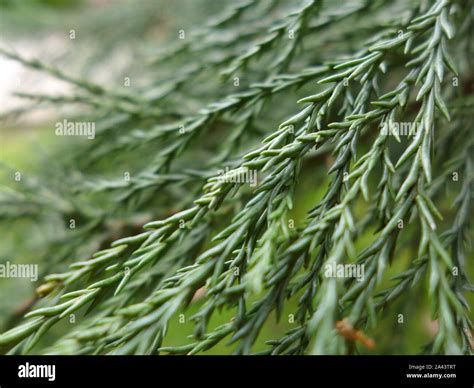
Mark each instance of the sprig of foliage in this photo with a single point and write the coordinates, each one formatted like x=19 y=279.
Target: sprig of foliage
x=258 y=260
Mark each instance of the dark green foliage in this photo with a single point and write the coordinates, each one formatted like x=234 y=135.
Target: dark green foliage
x=210 y=102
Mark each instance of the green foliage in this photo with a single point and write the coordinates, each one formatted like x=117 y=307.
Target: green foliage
x=220 y=104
